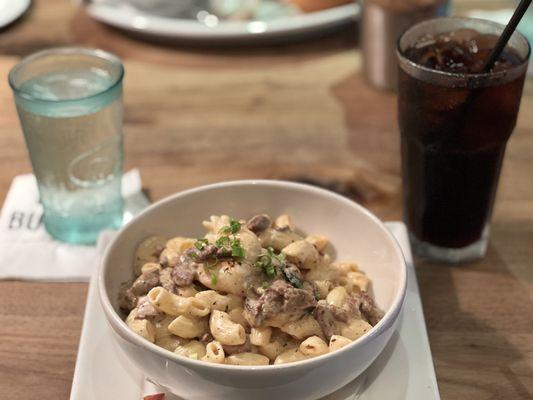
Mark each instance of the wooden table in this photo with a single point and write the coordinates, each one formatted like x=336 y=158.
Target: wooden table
x=301 y=112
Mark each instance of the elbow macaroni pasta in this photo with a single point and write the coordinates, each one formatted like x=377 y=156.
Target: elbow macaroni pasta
x=169 y=342
x=195 y=297
x=172 y=304
x=150 y=266
x=320 y=242
x=147 y=252
x=186 y=291
x=322 y=288
x=161 y=326
x=144 y=328
x=290 y=355
x=214 y=300
x=193 y=349
x=188 y=328
x=277 y=345
x=247 y=359
x=260 y=336
x=225 y=330
x=236 y=315
x=284 y=221
x=214 y=353
x=303 y=254
x=337 y=296
x=302 y=328
x=338 y=342
x=355 y=329
x=313 y=346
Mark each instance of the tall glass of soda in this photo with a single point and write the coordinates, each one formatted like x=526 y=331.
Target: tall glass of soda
x=455 y=121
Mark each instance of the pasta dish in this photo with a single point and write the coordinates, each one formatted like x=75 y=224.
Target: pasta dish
x=253 y=292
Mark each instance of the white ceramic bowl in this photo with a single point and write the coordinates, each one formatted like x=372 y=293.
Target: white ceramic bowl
x=356 y=235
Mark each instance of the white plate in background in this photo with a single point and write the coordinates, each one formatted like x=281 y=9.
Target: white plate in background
x=403 y=371
x=120 y=14
x=10 y=10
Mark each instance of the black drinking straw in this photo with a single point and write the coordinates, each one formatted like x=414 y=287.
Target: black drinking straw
x=493 y=57
x=506 y=35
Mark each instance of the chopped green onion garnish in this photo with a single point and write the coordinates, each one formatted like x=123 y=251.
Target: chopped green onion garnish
x=200 y=243
x=266 y=262
x=233 y=227
x=223 y=241
x=270 y=271
x=236 y=249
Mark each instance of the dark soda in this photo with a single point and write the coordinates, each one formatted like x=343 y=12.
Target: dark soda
x=453 y=137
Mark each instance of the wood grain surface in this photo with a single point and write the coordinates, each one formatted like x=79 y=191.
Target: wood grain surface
x=299 y=111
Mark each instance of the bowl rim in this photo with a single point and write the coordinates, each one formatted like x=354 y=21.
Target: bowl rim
x=117 y=323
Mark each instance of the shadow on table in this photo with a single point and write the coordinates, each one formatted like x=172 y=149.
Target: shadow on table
x=467 y=310
x=515 y=237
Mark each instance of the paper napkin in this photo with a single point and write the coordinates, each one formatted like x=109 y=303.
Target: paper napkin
x=28 y=252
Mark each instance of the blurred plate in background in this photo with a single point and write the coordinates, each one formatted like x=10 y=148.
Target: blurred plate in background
x=10 y=10
x=214 y=20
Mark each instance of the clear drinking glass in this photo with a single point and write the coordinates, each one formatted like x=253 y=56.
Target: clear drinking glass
x=69 y=102
x=454 y=130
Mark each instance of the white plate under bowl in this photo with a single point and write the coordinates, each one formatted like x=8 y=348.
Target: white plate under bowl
x=403 y=371
x=124 y=16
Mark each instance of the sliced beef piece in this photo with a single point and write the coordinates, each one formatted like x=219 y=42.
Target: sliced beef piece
x=369 y=309
x=339 y=313
x=184 y=273
x=259 y=223
x=293 y=275
x=127 y=300
x=145 y=282
x=355 y=307
x=166 y=280
x=326 y=318
x=352 y=306
x=278 y=304
x=145 y=308
x=223 y=252
x=349 y=310
x=253 y=310
x=208 y=252
x=246 y=347
x=328 y=314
